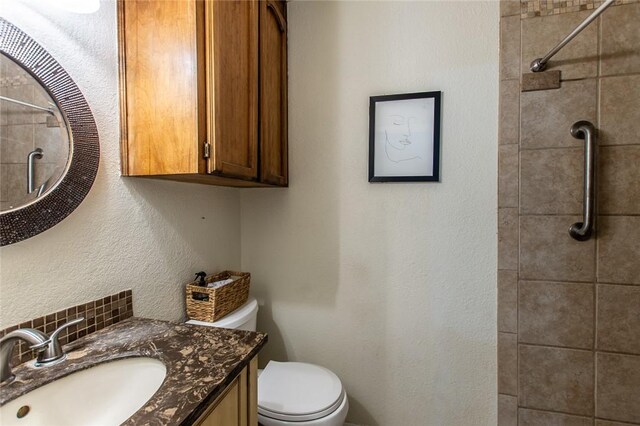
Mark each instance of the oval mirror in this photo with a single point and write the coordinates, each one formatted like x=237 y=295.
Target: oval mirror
x=49 y=149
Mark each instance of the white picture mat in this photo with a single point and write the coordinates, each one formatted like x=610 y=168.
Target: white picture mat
x=404 y=131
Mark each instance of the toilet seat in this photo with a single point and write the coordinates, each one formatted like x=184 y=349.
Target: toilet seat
x=298 y=392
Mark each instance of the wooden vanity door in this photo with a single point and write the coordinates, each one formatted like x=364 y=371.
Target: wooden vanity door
x=273 y=92
x=238 y=405
x=232 y=87
x=226 y=413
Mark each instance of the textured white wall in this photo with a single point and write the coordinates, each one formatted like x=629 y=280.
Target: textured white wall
x=392 y=286
x=147 y=235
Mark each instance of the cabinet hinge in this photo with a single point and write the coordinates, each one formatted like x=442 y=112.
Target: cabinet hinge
x=207 y=150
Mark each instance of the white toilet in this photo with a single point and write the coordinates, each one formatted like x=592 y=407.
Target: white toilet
x=290 y=393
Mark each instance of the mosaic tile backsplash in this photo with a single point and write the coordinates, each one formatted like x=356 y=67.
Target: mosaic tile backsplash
x=533 y=8
x=98 y=314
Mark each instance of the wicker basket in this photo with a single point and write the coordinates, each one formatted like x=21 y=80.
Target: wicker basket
x=221 y=301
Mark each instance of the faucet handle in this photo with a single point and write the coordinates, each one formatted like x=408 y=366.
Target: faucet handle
x=57 y=331
x=53 y=351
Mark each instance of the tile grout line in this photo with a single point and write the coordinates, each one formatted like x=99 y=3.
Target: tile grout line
x=566 y=413
x=519 y=174
x=559 y=412
x=577 y=214
x=556 y=281
x=542 y=148
x=617 y=284
x=596 y=227
x=616 y=421
x=573 y=348
x=598 y=76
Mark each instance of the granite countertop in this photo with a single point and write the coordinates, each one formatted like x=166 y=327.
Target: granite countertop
x=200 y=362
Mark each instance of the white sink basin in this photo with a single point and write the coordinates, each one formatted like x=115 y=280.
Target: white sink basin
x=107 y=394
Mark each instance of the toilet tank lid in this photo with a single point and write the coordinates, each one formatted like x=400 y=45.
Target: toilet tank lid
x=235 y=318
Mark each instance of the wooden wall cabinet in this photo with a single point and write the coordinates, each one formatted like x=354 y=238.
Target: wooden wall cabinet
x=203 y=91
x=238 y=404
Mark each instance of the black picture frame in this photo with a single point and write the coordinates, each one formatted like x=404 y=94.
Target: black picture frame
x=435 y=175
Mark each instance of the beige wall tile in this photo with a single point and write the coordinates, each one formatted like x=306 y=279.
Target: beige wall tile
x=13 y=182
x=509 y=126
x=556 y=379
x=16 y=143
x=17 y=114
x=577 y=59
x=621 y=40
x=558 y=314
x=618 y=393
x=509 y=7
x=618 y=318
x=47 y=172
x=529 y=417
x=3 y=109
x=508 y=238
x=619 y=249
x=508 y=301
x=507 y=364
x=508 y=176
x=507 y=410
x=619 y=110
x=547 y=251
x=53 y=142
x=547 y=115
x=552 y=181
x=619 y=179
x=510 y=48
x=18 y=132
x=41 y=97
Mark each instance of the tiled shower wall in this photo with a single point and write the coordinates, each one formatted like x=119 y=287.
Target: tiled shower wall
x=23 y=129
x=569 y=311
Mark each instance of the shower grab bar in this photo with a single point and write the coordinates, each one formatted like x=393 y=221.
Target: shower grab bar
x=36 y=153
x=581 y=231
x=50 y=110
x=541 y=63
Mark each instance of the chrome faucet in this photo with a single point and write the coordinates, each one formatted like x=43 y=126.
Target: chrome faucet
x=36 y=339
x=48 y=348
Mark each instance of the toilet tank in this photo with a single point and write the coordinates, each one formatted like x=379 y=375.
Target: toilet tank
x=243 y=318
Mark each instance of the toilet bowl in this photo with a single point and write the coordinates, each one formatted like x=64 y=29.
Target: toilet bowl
x=290 y=393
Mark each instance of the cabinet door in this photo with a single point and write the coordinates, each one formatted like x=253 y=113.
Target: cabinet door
x=232 y=87
x=161 y=80
x=238 y=405
x=227 y=412
x=273 y=92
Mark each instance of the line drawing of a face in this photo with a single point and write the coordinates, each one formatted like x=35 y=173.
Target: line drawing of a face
x=403 y=137
x=398 y=141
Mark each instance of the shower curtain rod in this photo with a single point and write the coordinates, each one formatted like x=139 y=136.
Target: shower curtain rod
x=541 y=63
x=15 y=101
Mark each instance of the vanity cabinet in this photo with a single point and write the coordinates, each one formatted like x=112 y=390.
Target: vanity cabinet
x=203 y=91
x=238 y=404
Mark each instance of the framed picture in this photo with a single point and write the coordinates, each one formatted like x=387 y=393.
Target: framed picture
x=404 y=137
